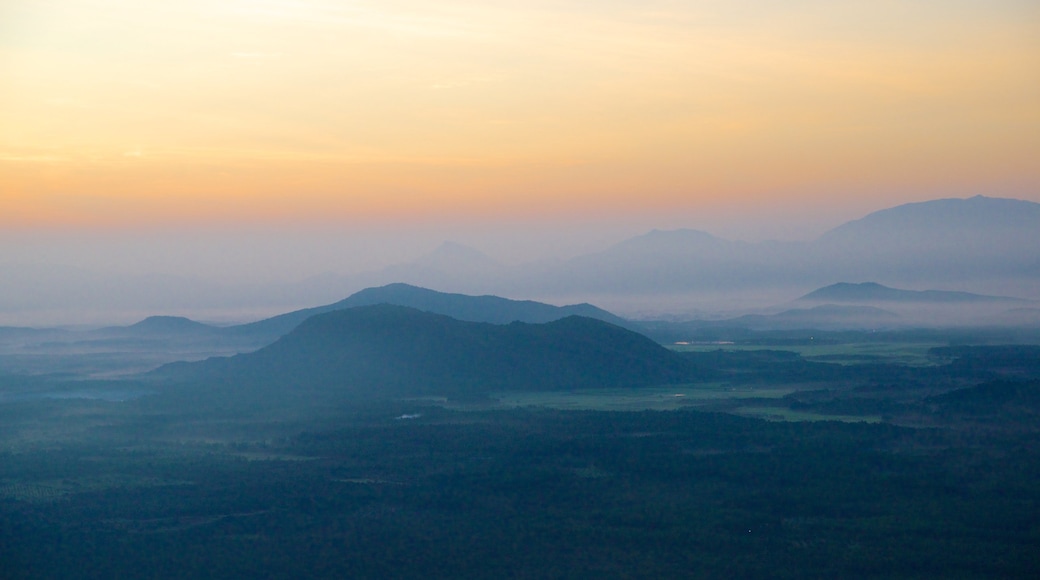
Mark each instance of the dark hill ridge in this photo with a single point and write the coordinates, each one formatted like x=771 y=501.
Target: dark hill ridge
x=491 y=309
x=874 y=292
x=399 y=351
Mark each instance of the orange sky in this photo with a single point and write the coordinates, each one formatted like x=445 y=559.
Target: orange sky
x=127 y=113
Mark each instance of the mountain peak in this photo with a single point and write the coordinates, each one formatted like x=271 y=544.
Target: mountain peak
x=487 y=308
x=453 y=257
x=945 y=215
x=873 y=292
x=385 y=349
x=168 y=324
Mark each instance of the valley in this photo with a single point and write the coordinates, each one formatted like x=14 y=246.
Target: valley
x=519 y=290
x=384 y=440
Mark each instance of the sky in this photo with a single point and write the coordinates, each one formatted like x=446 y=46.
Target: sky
x=311 y=136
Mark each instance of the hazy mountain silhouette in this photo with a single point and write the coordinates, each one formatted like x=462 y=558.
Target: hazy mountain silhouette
x=982 y=245
x=20 y=335
x=666 y=261
x=941 y=221
x=453 y=256
x=874 y=292
x=394 y=350
x=980 y=242
x=925 y=308
x=492 y=309
x=937 y=242
x=170 y=324
x=451 y=267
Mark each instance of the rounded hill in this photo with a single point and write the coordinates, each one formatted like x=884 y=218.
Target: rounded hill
x=400 y=351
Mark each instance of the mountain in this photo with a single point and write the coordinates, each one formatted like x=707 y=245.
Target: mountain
x=451 y=266
x=389 y=350
x=454 y=257
x=873 y=292
x=663 y=261
x=982 y=245
x=19 y=336
x=492 y=309
x=926 y=308
x=979 y=240
x=169 y=325
x=941 y=221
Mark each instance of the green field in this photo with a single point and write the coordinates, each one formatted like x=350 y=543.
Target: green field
x=629 y=399
x=913 y=354
x=743 y=400
x=785 y=414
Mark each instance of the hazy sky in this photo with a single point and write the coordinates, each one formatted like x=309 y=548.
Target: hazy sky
x=491 y=116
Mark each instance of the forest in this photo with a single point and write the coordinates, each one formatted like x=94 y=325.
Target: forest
x=938 y=479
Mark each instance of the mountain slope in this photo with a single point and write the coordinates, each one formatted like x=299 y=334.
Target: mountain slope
x=666 y=261
x=980 y=244
x=167 y=325
x=942 y=220
x=492 y=309
x=393 y=350
x=981 y=240
x=874 y=292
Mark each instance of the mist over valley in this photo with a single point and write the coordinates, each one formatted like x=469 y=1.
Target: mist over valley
x=976 y=245
x=786 y=409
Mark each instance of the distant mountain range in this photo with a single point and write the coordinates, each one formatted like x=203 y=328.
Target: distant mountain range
x=183 y=337
x=862 y=306
x=980 y=221
x=840 y=306
x=490 y=309
x=985 y=245
x=874 y=292
x=164 y=325
x=388 y=350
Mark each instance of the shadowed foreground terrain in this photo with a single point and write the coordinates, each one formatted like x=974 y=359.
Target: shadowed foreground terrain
x=385 y=442
x=532 y=493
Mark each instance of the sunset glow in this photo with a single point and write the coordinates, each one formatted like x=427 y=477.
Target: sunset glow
x=119 y=113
